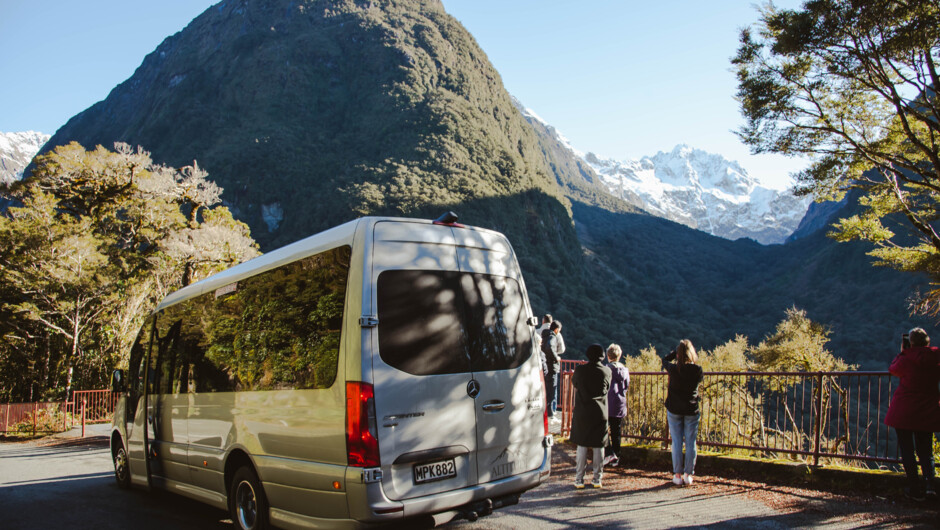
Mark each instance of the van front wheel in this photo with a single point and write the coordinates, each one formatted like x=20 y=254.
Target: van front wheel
x=247 y=503
x=121 y=473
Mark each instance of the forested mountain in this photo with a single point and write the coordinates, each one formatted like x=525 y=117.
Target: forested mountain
x=312 y=113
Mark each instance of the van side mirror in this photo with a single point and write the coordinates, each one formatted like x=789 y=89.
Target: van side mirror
x=532 y=321
x=118 y=383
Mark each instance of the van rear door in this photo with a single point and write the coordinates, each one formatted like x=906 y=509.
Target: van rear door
x=421 y=371
x=509 y=407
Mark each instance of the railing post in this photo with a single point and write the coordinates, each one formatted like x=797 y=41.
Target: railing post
x=35 y=415
x=83 y=417
x=818 y=422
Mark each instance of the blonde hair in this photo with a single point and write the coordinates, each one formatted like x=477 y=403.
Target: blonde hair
x=614 y=352
x=919 y=337
x=685 y=353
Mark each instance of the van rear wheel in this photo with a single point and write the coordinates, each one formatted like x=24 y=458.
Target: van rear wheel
x=247 y=503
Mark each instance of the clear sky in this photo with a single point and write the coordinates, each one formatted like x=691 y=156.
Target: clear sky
x=620 y=78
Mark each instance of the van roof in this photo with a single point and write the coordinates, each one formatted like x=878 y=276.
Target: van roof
x=339 y=235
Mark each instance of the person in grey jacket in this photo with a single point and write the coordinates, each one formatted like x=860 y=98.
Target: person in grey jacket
x=554 y=345
x=589 y=424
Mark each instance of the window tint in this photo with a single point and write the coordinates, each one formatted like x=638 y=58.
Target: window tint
x=441 y=322
x=136 y=367
x=419 y=322
x=275 y=331
x=497 y=332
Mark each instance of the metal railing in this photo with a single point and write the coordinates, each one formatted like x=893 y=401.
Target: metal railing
x=809 y=416
x=85 y=407
x=34 y=418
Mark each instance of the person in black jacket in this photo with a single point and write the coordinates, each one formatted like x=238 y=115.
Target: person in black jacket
x=589 y=424
x=682 y=408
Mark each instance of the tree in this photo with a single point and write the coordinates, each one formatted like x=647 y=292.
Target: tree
x=98 y=238
x=850 y=84
x=797 y=345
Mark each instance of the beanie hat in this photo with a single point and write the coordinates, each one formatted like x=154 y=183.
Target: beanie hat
x=595 y=353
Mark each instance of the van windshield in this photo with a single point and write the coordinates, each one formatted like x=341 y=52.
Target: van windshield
x=447 y=322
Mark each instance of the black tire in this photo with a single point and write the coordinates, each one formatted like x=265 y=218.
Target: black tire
x=122 y=473
x=246 y=501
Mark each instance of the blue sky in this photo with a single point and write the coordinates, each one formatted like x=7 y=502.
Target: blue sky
x=623 y=79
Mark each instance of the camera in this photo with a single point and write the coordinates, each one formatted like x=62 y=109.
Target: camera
x=905 y=341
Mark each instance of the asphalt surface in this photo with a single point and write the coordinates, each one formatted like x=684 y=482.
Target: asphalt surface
x=71 y=484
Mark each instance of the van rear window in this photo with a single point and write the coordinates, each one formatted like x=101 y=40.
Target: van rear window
x=446 y=322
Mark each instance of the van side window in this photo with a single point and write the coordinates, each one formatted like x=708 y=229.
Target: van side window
x=445 y=322
x=136 y=367
x=278 y=330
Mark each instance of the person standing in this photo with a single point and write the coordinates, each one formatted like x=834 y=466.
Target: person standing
x=591 y=382
x=682 y=410
x=914 y=411
x=553 y=345
x=539 y=333
x=616 y=402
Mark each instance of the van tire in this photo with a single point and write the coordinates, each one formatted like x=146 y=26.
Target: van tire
x=247 y=503
x=122 y=472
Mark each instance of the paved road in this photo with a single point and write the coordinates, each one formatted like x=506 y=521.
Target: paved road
x=44 y=487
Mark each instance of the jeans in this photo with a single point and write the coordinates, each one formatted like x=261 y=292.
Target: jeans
x=551 y=383
x=683 y=429
x=921 y=444
x=598 y=463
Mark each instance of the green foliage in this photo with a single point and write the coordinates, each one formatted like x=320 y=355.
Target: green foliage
x=98 y=239
x=731 y=356
x=851 y=84
x=646 y=361
x=797 y=345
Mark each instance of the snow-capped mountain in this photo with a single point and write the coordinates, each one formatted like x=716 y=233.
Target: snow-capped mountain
x=16 y=151
x=704 y=191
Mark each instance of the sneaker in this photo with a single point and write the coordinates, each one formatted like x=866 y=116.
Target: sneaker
x=677 y=480
x=914 y=495
x=608 y=459
x=615 y=462
x=579 y=485
x=597 y=485
x=687 y=479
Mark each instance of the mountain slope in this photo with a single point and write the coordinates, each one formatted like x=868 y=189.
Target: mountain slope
x=309 y=114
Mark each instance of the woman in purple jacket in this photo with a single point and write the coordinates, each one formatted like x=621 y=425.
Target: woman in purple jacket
x=914 y=411
x=616 y=402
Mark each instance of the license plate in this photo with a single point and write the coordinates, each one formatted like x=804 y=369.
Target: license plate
x=442 y=470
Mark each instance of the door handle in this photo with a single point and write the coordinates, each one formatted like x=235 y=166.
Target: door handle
x=493 y=406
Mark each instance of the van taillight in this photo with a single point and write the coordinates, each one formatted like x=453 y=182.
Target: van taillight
x=362 y=445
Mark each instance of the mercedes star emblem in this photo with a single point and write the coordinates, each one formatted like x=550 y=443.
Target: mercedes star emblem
x=473 y=388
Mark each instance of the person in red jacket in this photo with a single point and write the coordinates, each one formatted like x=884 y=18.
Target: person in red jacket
x=914 y=411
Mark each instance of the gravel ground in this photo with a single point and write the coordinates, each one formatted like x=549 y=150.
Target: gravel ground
x=807 y=507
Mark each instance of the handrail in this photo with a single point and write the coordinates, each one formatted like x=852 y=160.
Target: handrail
x=837 y=416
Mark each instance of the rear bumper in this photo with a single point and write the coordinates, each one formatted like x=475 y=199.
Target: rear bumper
x=368 y=504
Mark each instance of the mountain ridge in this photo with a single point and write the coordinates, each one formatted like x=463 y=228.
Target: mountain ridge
x=311 y=114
